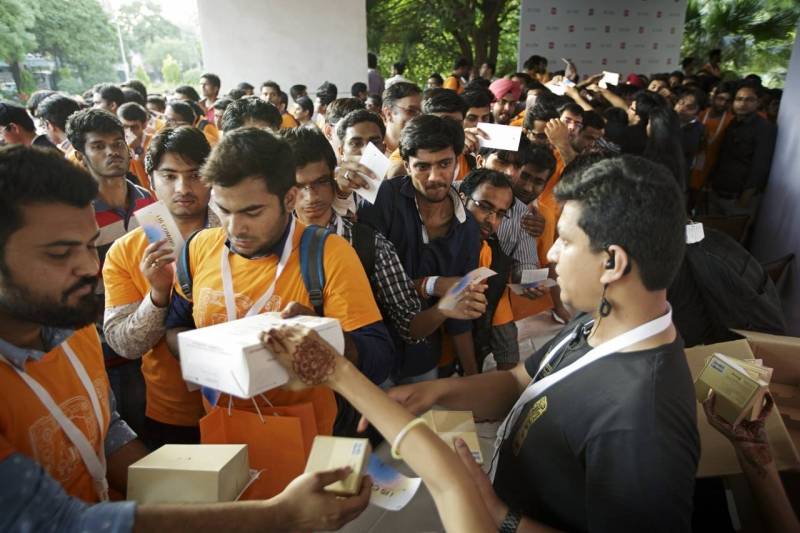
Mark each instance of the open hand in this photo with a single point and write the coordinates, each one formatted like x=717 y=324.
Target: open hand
x=306 y=356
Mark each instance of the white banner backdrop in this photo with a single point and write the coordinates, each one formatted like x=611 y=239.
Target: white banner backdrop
x=615 y=35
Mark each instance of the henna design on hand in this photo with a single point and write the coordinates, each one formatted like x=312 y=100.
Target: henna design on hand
x=313 y=362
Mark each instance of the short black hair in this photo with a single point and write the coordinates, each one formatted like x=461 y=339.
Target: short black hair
x=284 y=98
x=358 y=88
x=439 y=100
x=213 y=78
x=92 y=120
x=188 y=91
x=235 y=94
x=309 y=145
x=398 y=91
x=132 y=111
x=327 y=93
x=244 y=86
x=545 y=108
x=247 y=152
x=15 y=114
x=250 y=108
x=726 y=87
x=184 y=109
x=377 y=99
x=158 y=101
x=751 y=84
x=306 y=103
x=133 y=96
x=186 y=141
x=56 y=109
x=479 y=176
x=35 y=176
x=109 y=93
x=221 y=104
x=399 y=67
x=646 y=101
x=533 y=61
x=271 y=84
x=477 y=98
x=372 y=60
x=461 y=62
x=592 y=119
x=357 y=117
x=429 y=132
x=438 y=77
x=539 y=155
x=36 y=98
x=340 y=108
x=661 y=76
x=633 y=203
x=571 y=107
x=478 y=84
x=296 y=91
x=137 y=86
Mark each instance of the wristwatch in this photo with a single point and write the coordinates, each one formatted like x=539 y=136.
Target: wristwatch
x=510 y=522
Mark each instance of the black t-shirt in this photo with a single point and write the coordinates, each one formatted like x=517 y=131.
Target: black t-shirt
x=612 y=447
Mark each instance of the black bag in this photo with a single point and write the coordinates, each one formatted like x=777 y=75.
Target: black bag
x=735 y=289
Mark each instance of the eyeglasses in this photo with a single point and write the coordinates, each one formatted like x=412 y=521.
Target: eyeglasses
x=489 y=210
x=318 y=185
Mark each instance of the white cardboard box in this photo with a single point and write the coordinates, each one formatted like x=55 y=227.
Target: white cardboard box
x=328 y=453
x=183 y=473
x=230 y=358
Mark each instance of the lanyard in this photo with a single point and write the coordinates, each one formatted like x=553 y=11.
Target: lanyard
x=719 y=126
x=227 y=279
x=536 y=388
x=95 y=463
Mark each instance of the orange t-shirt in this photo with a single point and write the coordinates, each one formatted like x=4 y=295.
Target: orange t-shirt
x=288 y=121
x=519 y=119
x=212 y=134
x=168 y=399
x=453 y=83
x=27 y=427
x=347 y=296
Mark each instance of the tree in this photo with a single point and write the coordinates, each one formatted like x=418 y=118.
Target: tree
x=78 y=35
x=754 y=35
x=431 y=34
x=181 y=49
x=171 y=71
x=17 y=19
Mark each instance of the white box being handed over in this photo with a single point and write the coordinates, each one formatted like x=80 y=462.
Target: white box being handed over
x=230 y=358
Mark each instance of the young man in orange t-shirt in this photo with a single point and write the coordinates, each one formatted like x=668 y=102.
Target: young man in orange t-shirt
x=252 y=176
x=138 y=277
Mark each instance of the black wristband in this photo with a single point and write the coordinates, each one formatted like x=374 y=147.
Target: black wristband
x=510 y=522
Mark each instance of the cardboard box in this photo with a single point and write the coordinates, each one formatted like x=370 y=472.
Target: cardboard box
x=184 y=473
x=157 y=223
x=328 y=453
x=229 y=357
x=450 y=425
x=782 y=354
x=739 y=387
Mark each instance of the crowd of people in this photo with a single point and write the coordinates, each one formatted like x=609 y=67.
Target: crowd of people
x=599 y=427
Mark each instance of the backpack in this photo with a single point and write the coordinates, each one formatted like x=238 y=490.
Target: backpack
x=312 y=247
x=735 y=289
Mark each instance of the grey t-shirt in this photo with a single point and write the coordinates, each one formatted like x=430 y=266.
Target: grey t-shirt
x=612 y=447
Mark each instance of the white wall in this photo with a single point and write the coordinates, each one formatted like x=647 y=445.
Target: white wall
x=621 y=36
x=778 y=226
x=288 y=41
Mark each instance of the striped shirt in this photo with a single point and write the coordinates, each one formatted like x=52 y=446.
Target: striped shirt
x=516 y=242
x=114 y=222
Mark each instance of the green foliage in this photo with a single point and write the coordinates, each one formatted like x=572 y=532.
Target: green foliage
x=191 y=77
x=756 y=36
x=171 y=71
x=183 y=50
x=17 y=19
x=141 y=74
x=429 y=35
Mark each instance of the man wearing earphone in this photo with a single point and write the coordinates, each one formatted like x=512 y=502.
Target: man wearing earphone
x=600 y=426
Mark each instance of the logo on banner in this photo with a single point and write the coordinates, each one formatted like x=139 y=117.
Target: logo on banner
x=658 y=14
x=641 y=29
x=626 y=13
x=622 y=45
x=588 y=46
x=638 y=61
x=604 y=61
x=533 y=27
x=655 y=46
x=669 y=61
x=551 y=45
x=553 y=10
x=591 y=10
x=608 y=29
x=571 y=28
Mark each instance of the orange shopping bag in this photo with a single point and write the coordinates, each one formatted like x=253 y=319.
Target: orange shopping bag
x=276 y=442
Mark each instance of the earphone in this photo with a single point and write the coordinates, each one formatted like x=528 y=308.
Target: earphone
x=611 y=263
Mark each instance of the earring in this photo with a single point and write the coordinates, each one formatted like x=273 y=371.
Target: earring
x=605 y=305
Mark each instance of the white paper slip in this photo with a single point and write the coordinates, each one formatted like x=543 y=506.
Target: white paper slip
x=450 y=299
x=377 y=162
x=157 y=223
x=519 y=288
x=500 y=137
x=609 y=78
x=390 y=489
x=534 y=275
x=694 y=233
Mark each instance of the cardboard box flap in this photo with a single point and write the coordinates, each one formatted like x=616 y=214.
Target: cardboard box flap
x=779 y=352
x=717 y=456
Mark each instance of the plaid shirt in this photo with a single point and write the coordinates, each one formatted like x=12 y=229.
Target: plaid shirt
x=394 y=291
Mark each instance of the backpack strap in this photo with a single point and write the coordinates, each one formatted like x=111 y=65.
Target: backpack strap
x=312 y=246
x=183 y=268
x=364 y=245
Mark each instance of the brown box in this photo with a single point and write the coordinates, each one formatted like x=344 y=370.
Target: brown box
x=450 y=425
x=738 y=387
x=328 y=453
x=782 y=354
x=189 y=473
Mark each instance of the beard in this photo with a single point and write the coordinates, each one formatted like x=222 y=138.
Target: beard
x=21 y=304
